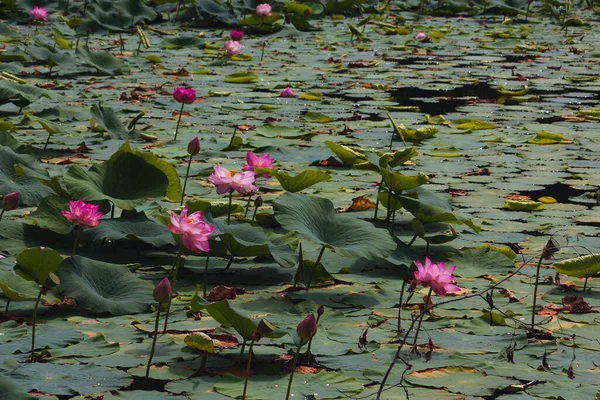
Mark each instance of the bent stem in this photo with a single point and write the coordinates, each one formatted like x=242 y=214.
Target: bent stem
x=315 y=267
x=535 y=289
x=425 y=309
x=34 y=320
x=153 y=340
x=289 y=389
x=178 y=121
x=187 y=174
x=229 y=208
x=399 y=329
x=76 y=240
x=248 y=369
x=230 y=145
x=2 y=213
x=49 y=135
x=311 y=339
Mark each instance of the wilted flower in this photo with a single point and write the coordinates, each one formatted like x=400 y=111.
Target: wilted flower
x=38 y=14
x=307 y=328
x=194 y=230
x=236 y=35
x=263 y=10
x=262 y=161
x=163 y=291
x=436 y=276
x=194 y=146
x=287 y=92
x=227 y=181
x=184 y=95
x=10 y=201
x=83 y=214
x=232 y=47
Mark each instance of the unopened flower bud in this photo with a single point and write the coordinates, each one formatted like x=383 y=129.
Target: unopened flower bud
x=162 y=291
x=307 y=328
x=194 y=146
x=320 y=310
x=10 y=201
x=258 y=201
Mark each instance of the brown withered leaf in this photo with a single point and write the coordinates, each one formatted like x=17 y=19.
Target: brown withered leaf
x=221 y=292
x=508 y=294
x=576 y=305
x=518 y=197
x=179 y=72
x=458 y=192
x=330 y=162
x=360 y=203
x=478 y=172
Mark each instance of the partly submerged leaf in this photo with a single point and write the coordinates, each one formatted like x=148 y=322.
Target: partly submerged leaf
x=523 y=205
x=543 y=137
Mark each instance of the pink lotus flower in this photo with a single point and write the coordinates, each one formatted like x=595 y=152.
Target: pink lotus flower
x=263 y=10
x=83 y=214
x=421 y=36
x=262 y=161
x=236 y=35
x=287 y=92
x=232 y=48
x=39 y=14
x=194 y=230
x=163 y=291
x=227 y=181
x=184 y=95
x=436 y=276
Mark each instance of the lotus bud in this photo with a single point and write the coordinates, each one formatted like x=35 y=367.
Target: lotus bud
x=320 y=310
x=307 y=328
x=194 y=146
x=258 y=201
x=236 y=35
x=11 y=201
x=162 y=291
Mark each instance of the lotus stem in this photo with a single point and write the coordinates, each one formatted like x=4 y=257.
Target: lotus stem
x=535 y=290
x=187 y=174
x=242 y=351
x=248 y=204
x=178 y=121
x=1 y=214
x=254 y=213
x=230 y=145
x=153 y=340
x=585 y=283
x=399 y=329
x=248 y=369
x=203 y=363
x=229 y=208
x=229 y=263
x=34 y=321
x=377 y=200
x=262 y=52
x=76 y=240
x=425 y=309
x=412 y=240
x=315 y=267
x=172 y=279
x=49 y=135
x=7 y=304
x=311 y=339
x=206 y=274
x=289 y=389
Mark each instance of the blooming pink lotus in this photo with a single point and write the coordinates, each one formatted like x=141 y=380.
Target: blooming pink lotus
x=263 y=10
x=83 y=214
x=232 y=48
x=228 y=181
x=435 y=275
x=236 y=35
x=194 y=230
x=262 y=161
x=287 y=92
x=39 y=14
x=184 y=95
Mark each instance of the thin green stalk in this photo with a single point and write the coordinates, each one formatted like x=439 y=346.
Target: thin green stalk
x=178 y=121
x=7 y=304
x=412 y=240
x=2 y=213
x=377 y=200
x=262 y=53
x=425 y=309
x=172 y=279
x=229 y=263
x=203 y=363
x=399 y=329
x=49 y=135
x=206 y=275
x=248 y=204
x=230 y=145
x=153 y=341
x=37 y=303
x=76 y=240
x=311 y=339
x=187 y=174
x=178 y=7
x=535 y=290
x=289 y=389
x=242 y=351
x=254 y=214
x=229 y=208
x=315 y=267
x=248 y=369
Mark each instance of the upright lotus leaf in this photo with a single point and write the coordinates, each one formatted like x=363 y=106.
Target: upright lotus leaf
x=397 y=158
x=59 y=38
x=20 y=94
x=16 y=288
x=315 y=219
x=426 y=212
x=397 y=182
x=48 y=215
x=301 y=181
x=42 y=51
x=199 y=342
x=348 y=155
x=103 y=61
x=104 y=288
x=579 y=267
x=20 y=173
x=37 y=263
x=107 y=118
x=126 y=179
x=12 y=391
x=223 y=313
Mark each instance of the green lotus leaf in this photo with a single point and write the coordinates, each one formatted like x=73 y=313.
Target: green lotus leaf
x=543 y=137
x=16 y=288
x=126 y=179
x=48 y=215
x=37 y=263
x=103 y=61
x=296 y=183
x=11 y=391
x=241 y=77
x=107 y=118
x=104 y=288
x=473 y=124
x=523 y=205
x=223 y=313
x=20 y=173
x=397 y=182
x=315 y=219
x=199 y=342
x=317 y=118
x=20 y=94
x=427 y=211
x=579 y=267
x=348 y=155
